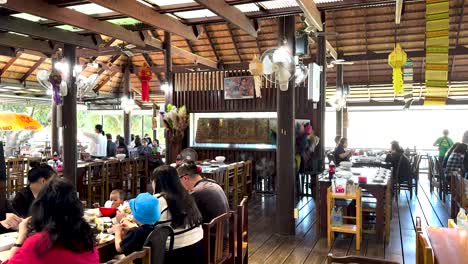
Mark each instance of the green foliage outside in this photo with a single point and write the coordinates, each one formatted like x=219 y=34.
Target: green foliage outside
x=40 y=112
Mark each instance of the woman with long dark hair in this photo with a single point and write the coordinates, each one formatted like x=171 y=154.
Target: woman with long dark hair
x=178 y=209
x=122 y=147
x=59 y=232
x=38 y=175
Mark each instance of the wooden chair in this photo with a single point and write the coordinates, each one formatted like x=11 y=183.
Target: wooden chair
x=242 y=243
x=95 y=182
x=240 y=180
x=141 y=174
x=357 y=259
x=127 y=172
x=230 y=185
x=404 y=182
x=434 y=179
x=247 y=179
x=220 y=254
x=451 y=224
x=16 y=174
x=415 y=170
x=157 y=242
x=144 y=256
x=113 y=176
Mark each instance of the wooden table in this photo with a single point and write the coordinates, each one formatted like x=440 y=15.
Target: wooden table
x=376 y=189
x=366 y=162
x=449 y=245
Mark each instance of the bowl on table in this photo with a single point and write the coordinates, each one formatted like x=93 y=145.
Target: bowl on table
x=108 y=212
x=120 y=156
x=220 y=159
x=346 y=165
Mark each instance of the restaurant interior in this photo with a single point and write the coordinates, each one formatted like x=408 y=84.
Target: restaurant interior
x=334 y=129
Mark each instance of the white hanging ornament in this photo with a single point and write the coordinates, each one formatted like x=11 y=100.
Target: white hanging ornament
x=256 y=69
x=282 y=76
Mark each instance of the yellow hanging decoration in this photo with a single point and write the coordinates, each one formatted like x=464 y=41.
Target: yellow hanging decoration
x=256 y=69
x=396 y=59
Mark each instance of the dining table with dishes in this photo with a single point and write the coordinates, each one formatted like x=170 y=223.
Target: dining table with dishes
x=375 y=181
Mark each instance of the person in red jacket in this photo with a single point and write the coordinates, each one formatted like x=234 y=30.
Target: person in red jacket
x=60 y=234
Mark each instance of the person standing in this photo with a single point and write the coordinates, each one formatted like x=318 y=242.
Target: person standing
x=444 y=143
x=98 y=144
x=111 y=146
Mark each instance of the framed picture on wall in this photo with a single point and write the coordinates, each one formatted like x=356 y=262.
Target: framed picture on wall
x=241 y=87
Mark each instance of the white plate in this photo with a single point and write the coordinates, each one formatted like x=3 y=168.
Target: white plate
x=7 y=240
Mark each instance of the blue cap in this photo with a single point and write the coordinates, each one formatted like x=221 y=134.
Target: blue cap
x=145 y=208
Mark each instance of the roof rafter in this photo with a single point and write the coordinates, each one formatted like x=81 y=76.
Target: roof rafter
x=23 y=26
x=231 y=33
x=42 y=8
x=32 y=69
x=149 y=16
x=210 y=41
x=9 y=63
x=230 y=14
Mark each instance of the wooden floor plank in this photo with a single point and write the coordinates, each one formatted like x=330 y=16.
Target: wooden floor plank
x=393 y=246
x=267 y=249
x=284 y=250
x=441 y=209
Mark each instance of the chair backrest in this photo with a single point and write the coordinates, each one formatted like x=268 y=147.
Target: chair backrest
x=451 y=223
x=157 y=242
x=248 y=169
x=242 y=230
x=113 y=168
x=357 y=259
x=423 y=249
x=240 y=171
x=144 y=256
x=220 y=255
x=463 y=192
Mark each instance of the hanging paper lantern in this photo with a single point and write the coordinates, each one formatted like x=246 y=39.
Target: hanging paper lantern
x=145 y=76
x=396 y=59
x=256 y=69
x=56 y=79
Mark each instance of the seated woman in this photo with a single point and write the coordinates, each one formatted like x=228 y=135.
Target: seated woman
x=178 y=209
x=141 y=146
x=455 y=161
x=341 y=154
x=122 y=147
x=400 y=163
x=37 y=177
x=58 y=232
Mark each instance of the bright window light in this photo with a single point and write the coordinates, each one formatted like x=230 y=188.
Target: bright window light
x=125 y=21
x=195 y=14
x=19 y=34
x=90 y=9
x=248 y=8
x=69 y=28
x=29 y=17
x=169 y=2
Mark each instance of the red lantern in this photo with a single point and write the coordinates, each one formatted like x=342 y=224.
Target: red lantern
x=145 y=76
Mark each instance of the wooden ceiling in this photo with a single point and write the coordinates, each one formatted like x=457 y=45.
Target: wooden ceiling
x=365 y=34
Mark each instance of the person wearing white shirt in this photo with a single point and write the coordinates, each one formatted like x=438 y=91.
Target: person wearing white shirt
x=98 y=145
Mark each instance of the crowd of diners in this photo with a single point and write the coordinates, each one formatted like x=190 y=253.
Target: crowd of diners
x=102 y=145
x=453 y=157
x=51 y=228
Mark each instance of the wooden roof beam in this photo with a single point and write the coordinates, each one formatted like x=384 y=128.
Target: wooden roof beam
x=9 y=23
x=236 y=46
x=32 y=69
x=230 y=14
x=311 y=13
x=149 y=16
x=9 y=63
x=71 y=17
x=17 y=41
x=210 y=41
x=152 y=41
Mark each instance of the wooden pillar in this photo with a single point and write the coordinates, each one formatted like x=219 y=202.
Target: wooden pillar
x=339 y=91
x=322 y=61
x=285 y=162
x=155 y=114
x=169 y=92
x=345 y=122
x=126 y=90
x=54 y=128
x=69 y=119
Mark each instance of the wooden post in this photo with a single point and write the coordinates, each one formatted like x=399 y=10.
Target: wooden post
x=285 y=162
x=169 y=91
x=126 y=90
x=322 y=61
x=155 y=114
x=69 y=119
x=339 y=91
x=54 y=132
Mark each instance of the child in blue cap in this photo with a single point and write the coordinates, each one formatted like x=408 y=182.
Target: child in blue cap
x=130 y=237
